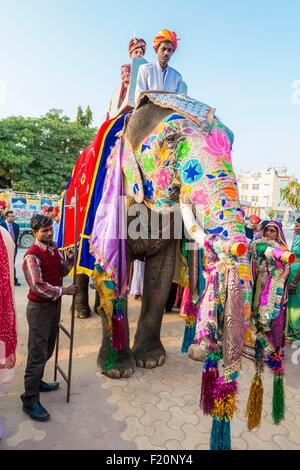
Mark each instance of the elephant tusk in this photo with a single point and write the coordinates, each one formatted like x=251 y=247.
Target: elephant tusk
x=193 y=228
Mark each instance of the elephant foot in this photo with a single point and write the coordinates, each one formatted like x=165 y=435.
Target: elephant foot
x=82 y=312
x=149 y=356
x=123 y=368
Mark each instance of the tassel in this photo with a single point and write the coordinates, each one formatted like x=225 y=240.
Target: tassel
x=216 y=436
x=112 y=358
x=189 y=336
x=278 y=399
x=275 y=363
x=226 y=434
x=210 y=374
x=255 y=402
x=118 y=324
x=222 y=412
x=220 y=437
x=118 y=333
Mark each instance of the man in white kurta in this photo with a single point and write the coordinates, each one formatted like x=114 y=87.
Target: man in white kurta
x=160 y=76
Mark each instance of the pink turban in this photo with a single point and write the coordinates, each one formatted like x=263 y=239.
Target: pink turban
x=135 y=43
x=165 y=35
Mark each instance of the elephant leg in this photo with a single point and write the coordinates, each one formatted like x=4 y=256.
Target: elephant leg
x=172 y=297
x=159 y=270
x=82 y=308
x=97 y=302
x=125 y=365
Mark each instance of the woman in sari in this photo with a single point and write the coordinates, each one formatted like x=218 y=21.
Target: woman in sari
x=270 y=285
x=8 y=335
x=270 y=274
x=293 y=306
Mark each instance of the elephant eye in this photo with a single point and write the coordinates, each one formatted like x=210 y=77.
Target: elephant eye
x=172 y=137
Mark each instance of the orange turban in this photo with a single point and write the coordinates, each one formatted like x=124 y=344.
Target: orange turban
x=165 y=35
x=254 y=218
x=135 y=43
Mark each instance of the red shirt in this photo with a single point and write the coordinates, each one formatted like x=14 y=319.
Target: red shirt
x=44 y=268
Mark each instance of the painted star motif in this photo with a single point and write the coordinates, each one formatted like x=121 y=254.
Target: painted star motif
x=191 y=172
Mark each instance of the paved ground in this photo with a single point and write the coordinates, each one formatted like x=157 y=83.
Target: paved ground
x=154 y=409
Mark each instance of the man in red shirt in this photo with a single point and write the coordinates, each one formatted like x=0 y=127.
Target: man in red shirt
x=44 y=268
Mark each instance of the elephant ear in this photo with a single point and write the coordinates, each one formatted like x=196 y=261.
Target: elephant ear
x=132 y=174
x=140 y=125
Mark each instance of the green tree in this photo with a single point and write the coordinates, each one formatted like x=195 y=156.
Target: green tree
x=88 y=118
x=38 y=154
x=271 y=214
x=80 y=120
x=291 y=195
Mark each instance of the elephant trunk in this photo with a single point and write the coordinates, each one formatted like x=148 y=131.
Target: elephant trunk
x=197 y=234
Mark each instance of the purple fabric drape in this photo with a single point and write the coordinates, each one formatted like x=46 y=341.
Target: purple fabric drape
x=108 y=239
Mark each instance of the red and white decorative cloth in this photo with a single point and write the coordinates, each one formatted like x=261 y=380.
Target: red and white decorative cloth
x=8 y=333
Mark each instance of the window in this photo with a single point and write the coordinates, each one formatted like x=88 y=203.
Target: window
x=255 y=186
x=254 y=199
x=245 y=186
x=280 y=216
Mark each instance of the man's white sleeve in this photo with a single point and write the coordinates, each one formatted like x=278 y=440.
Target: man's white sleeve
x=141 y=83
x=179 y=84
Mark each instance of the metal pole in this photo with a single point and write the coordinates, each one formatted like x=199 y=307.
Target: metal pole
x=73 y=300
x=59 y=305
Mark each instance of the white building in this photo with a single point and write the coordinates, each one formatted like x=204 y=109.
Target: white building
x=260 y=191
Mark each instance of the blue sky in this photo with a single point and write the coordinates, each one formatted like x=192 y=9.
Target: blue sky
x=239 y=56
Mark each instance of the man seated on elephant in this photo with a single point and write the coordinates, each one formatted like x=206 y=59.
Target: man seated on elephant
x=159 y=75
x=136 y=48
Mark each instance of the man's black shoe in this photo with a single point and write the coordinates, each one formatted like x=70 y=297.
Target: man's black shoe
x=44 y=387
x=36 y=412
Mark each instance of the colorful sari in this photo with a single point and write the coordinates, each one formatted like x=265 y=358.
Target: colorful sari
x=268 y=321
x=293 y=306
x=8 y=334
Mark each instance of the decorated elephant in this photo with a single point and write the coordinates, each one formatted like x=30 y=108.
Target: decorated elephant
x=173 y=156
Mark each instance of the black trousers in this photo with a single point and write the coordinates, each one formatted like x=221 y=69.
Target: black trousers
x=15 y=274
x=43 y=318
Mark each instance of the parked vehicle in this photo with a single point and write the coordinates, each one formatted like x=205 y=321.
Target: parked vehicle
x=25 y=205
